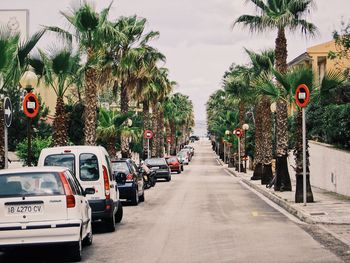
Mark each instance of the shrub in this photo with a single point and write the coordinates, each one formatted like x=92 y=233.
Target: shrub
x=38 y=144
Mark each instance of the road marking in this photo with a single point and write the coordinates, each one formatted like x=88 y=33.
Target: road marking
x=269 y=202
x=254 y=213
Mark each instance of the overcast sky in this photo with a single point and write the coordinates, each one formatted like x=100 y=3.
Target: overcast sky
x=195 y=35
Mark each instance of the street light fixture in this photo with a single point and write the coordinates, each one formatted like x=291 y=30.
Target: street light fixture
x=28 y=81
x=245 y=128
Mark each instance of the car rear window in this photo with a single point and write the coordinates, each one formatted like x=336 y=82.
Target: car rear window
x=88 y=165
x=172 y=159
x=65 y=160
x=30 y=184
x=155 y=162
x=120 y=167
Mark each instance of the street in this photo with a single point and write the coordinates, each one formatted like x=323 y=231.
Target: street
x=202 y=215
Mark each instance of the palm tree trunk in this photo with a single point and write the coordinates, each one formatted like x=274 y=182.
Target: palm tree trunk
x=298 y=154
x=283 y=182
x=112 y=151
x=59 y=135
x=266 y=134
x=168 y=135
x=90 y=107
x=160 y=129
x=173 y=138
x=155 y=131
x=258 y=155
x=146 y=125
x=124 y=108
x=124 y=98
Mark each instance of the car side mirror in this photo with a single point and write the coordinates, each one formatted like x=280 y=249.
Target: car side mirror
x=89 y=191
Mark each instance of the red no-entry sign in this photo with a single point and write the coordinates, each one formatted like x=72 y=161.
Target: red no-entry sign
x=238 y=132
x=148 y=134
x=302 y=96
x=30 y=105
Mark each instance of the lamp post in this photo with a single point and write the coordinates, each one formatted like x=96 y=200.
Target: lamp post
x=273 y=108
x=227 y=133
x=28 y=81
x=245 y=128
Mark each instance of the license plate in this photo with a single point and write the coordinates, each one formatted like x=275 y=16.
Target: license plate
x=24 y=209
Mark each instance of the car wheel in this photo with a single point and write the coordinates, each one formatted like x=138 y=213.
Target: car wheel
x=76 y=251
x=169 y=178
x=179 y=171
x=119 y=215
x=88 y=239
x=135 y=199
x=142 y=197
x=154 y=181
x=110 y=223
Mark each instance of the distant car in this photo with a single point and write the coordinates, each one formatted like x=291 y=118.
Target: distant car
x=160 y=166
x=194 y=138
x=189 y=147
x=129 y=180
x=189 y=153
x=44 y=206
x=174 y=164
x=183 y=157
x=92 y=168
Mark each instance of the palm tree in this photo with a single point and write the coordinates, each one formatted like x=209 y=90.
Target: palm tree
x=262 y=64
x=58 y=69
x=92 y=30
x=13 y=63
x=107 y=131
x=281 y=16
x=237 y=83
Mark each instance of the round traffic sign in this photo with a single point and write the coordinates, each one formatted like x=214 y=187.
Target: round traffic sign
x=302 y=96
x=238 y=132
x=30 y=105
x=7 y=112
x=148 y=134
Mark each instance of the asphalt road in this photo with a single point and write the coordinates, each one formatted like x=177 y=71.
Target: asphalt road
x=202 y=215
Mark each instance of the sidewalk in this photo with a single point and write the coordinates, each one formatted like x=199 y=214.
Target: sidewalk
x=328 y=208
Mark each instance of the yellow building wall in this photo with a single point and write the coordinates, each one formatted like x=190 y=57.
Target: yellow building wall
x=320 y=61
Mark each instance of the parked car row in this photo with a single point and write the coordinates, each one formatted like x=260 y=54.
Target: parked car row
x=56 y=202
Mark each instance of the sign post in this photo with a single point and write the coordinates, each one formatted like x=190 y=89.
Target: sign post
x=238 y=132
x=302 y=98
x=148 y=134
x=8 y=121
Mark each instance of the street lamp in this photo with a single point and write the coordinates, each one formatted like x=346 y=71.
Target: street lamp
x=28 y=81
x=245 y=128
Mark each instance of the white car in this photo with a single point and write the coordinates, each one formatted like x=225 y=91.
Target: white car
x=44 y=205
x=92 y=168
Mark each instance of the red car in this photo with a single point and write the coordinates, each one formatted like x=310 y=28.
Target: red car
x=174 y=164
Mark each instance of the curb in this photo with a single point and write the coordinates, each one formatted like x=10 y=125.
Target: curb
x=277 y=200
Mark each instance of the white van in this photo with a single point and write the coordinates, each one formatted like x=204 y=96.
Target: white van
x=92 y=167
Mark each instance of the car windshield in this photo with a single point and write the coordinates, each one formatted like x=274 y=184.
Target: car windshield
x=155 y=162
x=30 y=184
x=120 y=167
x=65 y=160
